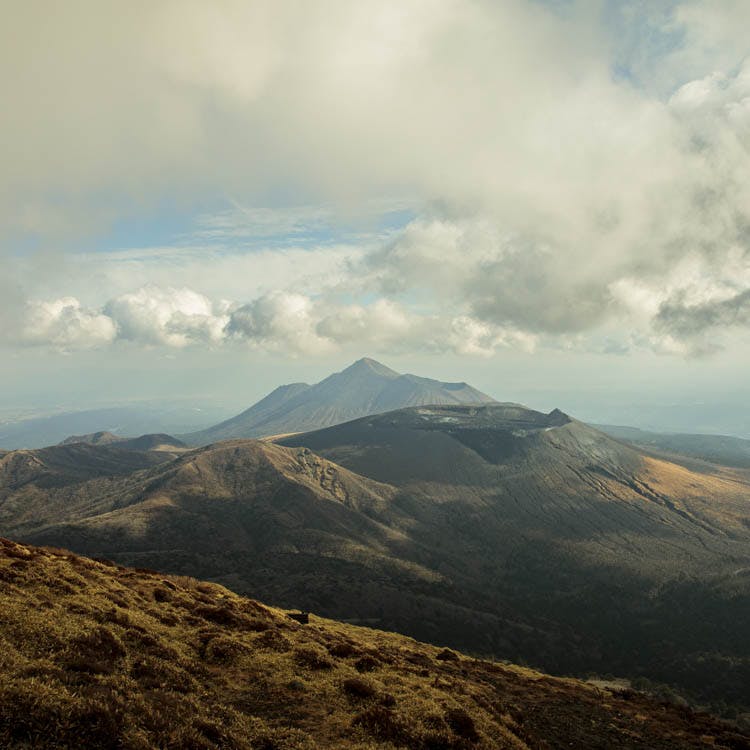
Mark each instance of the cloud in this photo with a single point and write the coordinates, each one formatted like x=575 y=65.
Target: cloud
x=65 y=325
x=244 y=96
x=278 y=321
x=297 y=324
x=289 y=323
x=167 y=317
x=557 y=198
x=701 y=326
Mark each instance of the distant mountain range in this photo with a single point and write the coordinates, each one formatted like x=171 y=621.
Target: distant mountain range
x=129 y=421
x=489 y=527
x=720 y=449
x=365 y=387
x=151 y=442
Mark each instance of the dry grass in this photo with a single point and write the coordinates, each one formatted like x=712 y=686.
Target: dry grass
x=94 y=655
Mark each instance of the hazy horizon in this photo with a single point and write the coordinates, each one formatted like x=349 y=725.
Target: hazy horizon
x=614 y=400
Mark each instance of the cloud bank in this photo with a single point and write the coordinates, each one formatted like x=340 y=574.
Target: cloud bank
x=279 y=321
x=569 y=182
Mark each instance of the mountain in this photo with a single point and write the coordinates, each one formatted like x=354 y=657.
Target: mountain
x=552 y=476
x=221 y=511
x=93 y=438
x=626 y=563
x=492 y=528
x=366 y=387
x=95 y=655
x=720 y=449
x=64 y=465
x=151 y=442
x=40 y=431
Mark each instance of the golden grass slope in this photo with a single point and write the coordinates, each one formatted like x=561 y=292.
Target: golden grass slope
x=94 y=655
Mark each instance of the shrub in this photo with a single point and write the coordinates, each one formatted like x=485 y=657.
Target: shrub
x=274 y=641
x=342 y=649
x=447 y=655
x=461 y=723
x=383 y=724
x=358 y=687
x=366 y=664
x=312 y=658
x=156 y=673
x=220 y=615
x=162 y=595
x=223 y=650
x=97 y=652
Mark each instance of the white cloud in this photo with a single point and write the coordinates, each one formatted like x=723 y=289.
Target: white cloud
x=279 y=321
x=560 y=200
x=65 y=325
x=168 y=317
x=283 y=322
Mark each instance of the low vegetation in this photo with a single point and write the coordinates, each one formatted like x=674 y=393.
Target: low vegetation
x=96 y=655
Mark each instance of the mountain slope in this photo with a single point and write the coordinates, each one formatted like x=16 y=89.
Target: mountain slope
x=366 y=387
x=93 y=438
x=627 y=563
x=492 y=528
x=246 y=512
x=591 y=493
x=63 y=465
x=99 y=656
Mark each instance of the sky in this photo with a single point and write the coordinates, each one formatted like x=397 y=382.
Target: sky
x=550 y=200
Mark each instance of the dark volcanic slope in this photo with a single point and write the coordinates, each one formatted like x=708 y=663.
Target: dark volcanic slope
x=637 y=565
x=98 y=656
x=555 y=476
x=366 y=387
x=35 y=482
x=62 y=465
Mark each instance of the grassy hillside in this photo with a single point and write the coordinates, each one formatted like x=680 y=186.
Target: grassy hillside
x=98 y=656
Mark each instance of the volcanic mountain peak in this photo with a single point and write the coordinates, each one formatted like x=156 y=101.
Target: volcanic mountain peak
x=368 y=365
x=365 y=387
x=247 y=468
x=483 y=427
x=245 y=494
